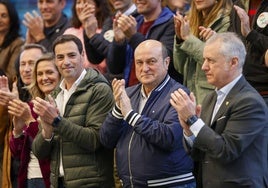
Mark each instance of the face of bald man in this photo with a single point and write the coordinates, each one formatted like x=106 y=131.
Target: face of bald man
x=151 y=67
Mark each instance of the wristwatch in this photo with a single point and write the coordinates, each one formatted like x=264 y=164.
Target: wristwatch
x=56 y=121
x=191 y=120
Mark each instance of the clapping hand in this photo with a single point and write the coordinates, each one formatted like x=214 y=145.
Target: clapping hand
x=121 y=97
x=5 y=94
x=35 y=27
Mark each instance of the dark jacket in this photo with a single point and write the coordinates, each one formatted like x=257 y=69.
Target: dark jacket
x=21 y=148
x=53 y=32
x=149 y=144
x=97 y=46
x=86 y=163
x=255 y=70
x=232 y=150
x=120 y=56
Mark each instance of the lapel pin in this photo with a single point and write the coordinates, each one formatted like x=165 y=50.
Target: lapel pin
x=227 y=103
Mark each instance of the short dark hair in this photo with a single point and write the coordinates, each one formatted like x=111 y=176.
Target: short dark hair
x=14 y=28
x=67 y=38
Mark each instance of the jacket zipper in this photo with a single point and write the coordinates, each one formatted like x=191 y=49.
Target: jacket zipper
x=129 y=166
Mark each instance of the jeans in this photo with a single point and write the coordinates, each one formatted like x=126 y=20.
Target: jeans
x=36 y=183
x=189 y=185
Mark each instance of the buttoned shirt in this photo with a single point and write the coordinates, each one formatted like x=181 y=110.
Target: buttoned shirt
x=61 y=100
x=222 y=93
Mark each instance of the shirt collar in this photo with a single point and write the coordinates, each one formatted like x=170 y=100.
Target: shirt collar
x=76 y=83
x=143 y=93
x=158 y=88
x=226 y=89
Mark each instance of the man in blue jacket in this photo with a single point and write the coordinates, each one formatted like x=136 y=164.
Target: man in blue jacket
x=154 y=22
x=144 y=127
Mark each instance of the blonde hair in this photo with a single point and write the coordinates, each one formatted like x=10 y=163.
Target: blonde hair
x=196 y=18
x=33 y=87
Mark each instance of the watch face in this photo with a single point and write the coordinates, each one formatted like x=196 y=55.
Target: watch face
x=191 y=120
x=56 y=121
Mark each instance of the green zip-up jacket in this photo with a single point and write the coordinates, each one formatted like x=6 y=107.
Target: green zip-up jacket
x=86 y=162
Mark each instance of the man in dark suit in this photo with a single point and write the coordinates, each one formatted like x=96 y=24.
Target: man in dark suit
x=229 y=147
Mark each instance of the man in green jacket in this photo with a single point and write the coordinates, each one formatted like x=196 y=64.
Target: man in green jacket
x=70 y=125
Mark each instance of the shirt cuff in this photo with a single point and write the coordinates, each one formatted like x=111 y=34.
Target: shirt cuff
x=189 y=139
x=197 y=126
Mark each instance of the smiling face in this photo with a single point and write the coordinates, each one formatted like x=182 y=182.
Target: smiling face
x=47 y=76
x=51 y=10
x=69 y=61
x=4 y=19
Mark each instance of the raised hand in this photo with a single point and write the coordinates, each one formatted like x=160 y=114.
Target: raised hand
x=119 y=35
x=185 y=105
x=5 y=94
x=20 y=109
x=35 y=25
x=205 y=33
x=244 y=18
x=182 y=26
x=127 y=24
x=121 y=97
x=21 y=115
x=46 y=110
x=86 y=15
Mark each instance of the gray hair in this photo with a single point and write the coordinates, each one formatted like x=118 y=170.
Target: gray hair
x=231 y=46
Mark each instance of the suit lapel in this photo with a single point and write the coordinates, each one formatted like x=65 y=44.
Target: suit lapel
x=229 y=98
x=208 y=106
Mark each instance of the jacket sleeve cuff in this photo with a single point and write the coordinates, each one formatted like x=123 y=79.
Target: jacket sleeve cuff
x=116 y=112
x=132 y=117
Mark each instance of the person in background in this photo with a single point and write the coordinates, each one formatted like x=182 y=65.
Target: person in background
x=10 y=39
x=5 y=129
x=182 y=6
x=256 y=37
x=83 y=10
x=204 y=19
x=71 y=123
x=28 y=55
x=154 y=22
x=97 y=44
x=144 y=128
x=46 y=28
x=229 y=139
x=45 y=79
